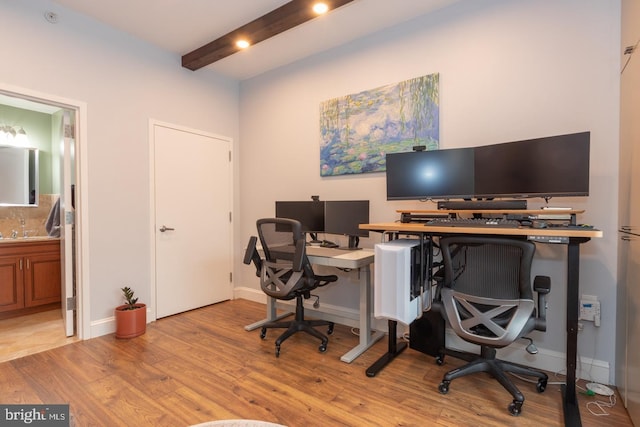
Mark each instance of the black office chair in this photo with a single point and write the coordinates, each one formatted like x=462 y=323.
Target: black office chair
x=285 y=273
x=487 y=299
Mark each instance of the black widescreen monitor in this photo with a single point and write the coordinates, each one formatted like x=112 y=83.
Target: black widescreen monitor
x=343 y=217
x=309 y=213
x=543 y=167
x=433 y=174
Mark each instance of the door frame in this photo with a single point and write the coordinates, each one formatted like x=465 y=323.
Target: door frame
x=152 y=312
x=83 y=306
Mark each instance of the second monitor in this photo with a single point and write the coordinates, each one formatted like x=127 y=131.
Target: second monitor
x=344 y=217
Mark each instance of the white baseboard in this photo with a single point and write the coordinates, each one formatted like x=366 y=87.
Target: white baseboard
x=250 y=294
x=103 y=327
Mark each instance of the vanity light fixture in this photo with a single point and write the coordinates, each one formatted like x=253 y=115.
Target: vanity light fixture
x=9 y=130
x=12 y=134
x=12 y=131
x=279 y=20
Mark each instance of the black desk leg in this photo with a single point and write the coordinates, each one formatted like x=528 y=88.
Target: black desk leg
x=395 y=348
x=569 y=398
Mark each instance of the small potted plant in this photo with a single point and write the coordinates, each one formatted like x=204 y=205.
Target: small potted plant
x=131 y=318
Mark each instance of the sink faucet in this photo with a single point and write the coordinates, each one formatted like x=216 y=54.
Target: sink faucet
x=22 y=224
x=14 y=234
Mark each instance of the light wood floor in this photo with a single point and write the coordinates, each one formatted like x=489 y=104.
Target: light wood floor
x=21 y=336
x=202 y=365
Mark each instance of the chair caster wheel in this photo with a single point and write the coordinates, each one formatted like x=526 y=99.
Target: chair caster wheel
x=322 y=348
x=277 y=351
x=330 y=330
x=263 y=333
x=515 y=408
x=440 y=360
x=443 y=388
x=541 y=386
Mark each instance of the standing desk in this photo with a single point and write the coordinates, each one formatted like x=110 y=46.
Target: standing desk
x=576 y=236
x=361 y=260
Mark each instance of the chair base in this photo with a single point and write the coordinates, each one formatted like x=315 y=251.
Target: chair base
x=297 y=325
x=487 y=362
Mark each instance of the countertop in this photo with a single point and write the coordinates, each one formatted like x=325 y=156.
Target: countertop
x=9 y=240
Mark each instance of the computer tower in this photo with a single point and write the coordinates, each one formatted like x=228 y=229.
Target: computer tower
x=399 y=272
x=426 y=334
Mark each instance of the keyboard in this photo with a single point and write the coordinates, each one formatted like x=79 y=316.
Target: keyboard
x=474 y=222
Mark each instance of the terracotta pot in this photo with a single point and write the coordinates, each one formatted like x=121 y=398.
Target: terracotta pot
x=131 y=323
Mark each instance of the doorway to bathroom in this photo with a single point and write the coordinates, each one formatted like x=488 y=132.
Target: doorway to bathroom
x=60 y=192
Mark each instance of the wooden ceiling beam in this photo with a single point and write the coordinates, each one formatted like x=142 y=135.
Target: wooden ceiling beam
x=277 y=21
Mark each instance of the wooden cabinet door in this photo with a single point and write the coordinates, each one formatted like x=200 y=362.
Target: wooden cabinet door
x=11 y=283
x=42 y=279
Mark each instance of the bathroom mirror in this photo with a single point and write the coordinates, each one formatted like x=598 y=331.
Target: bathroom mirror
x=18 y=176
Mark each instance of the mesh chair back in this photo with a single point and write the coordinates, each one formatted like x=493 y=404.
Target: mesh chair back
x=487 y=292
x=492 y=268
x=282 y=271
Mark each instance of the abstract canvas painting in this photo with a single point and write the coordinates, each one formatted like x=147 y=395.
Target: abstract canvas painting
x=358 y=130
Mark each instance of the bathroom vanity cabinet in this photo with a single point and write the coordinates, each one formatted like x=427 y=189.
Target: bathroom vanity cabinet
x=30 y=277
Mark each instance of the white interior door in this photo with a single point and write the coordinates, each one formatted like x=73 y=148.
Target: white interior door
x=193 y=201
x=67 y=224
x=633 y=331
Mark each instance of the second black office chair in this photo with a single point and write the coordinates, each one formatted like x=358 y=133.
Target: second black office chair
x=285 y=273
x=488 y=300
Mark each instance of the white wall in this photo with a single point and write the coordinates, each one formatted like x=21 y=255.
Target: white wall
x=508 y=71
x=124 y=82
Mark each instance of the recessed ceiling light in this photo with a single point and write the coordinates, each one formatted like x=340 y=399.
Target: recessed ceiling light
x=320 y=8
x=242 y=44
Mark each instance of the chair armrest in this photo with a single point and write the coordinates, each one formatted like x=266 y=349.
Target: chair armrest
x=325 y=280
x=252 y=255
x=542 y=285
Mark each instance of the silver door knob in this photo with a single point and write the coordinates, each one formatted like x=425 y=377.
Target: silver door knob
x=163 y=229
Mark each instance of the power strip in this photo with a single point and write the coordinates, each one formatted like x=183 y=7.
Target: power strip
x=600 y=389
x=590 y=309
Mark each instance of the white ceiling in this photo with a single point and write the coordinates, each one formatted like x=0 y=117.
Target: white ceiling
x=180 y=26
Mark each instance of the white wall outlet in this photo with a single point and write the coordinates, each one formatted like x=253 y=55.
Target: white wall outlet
x=590 y=309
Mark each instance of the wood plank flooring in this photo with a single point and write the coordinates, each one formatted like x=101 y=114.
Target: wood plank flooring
x=24 y=335
x=202 y=365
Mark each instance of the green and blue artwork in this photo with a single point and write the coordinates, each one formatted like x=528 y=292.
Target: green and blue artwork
x=358 y=130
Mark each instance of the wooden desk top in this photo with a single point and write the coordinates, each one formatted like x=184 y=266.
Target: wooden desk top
x=340 y=257
x=520 y=231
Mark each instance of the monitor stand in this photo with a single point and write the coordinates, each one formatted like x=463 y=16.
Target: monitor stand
x=517 y=204
x=354 y=241
x=314 y=240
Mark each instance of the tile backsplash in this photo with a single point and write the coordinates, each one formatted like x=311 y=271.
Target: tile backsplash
x=34 y=217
